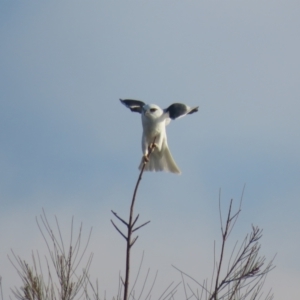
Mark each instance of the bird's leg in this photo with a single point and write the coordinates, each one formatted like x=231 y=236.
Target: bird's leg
x=146 y=154
x=157 y=142
x=149 y=150
x=153 y=146
x=145 y=147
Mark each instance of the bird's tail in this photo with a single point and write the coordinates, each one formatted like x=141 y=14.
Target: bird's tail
x=161 y=161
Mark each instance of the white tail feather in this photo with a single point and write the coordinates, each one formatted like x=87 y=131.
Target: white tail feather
x=161 y=161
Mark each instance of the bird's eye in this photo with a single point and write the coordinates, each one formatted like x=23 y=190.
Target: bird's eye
x=153 y=110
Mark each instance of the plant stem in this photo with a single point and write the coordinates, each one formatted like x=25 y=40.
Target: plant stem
x=130 y=224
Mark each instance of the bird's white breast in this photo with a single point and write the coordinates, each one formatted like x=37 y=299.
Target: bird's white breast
x=152 y=127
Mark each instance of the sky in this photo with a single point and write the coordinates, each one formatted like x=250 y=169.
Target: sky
x=69 y=147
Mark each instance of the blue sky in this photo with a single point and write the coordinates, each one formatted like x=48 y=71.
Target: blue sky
x=70 y=147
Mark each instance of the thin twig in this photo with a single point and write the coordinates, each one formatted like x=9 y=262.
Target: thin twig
x=116 y=215
x=138 y=273
x=172 y=292
x=149 y=293
x=220 y=212
x=166 y=290
x=135 y=220
x=145 y=281
x=224 y=237
x=186 y=297
x=134 y=240
x=201 y=285
x=123 y=235
x=140 y=226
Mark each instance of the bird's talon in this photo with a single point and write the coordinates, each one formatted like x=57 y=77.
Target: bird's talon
x=146 y=158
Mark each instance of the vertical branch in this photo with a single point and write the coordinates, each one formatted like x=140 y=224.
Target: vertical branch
x=224 y=237
x=130 y=223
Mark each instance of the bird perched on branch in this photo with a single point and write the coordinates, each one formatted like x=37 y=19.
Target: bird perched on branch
x=155 y=120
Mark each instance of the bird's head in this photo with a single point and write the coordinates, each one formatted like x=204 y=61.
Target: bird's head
x=152 y=111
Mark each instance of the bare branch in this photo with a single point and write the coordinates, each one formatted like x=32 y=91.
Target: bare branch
x=246 y=269
x=116 y=215
x=201 y=285
x=172 y=292
x=143 y=287
x=134 y=240
x=123 y=235
x=149 y=293
x=133 y=223
x=140 y=226
x=138 y=273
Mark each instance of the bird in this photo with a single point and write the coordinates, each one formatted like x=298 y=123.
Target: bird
x=154 y=121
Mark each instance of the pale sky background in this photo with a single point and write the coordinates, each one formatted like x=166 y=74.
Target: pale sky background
x=70 y=147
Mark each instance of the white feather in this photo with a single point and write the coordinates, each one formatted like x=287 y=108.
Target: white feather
x=161 y=160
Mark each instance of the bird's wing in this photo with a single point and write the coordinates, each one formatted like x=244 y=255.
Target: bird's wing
x=177 y=110
x=133 y=105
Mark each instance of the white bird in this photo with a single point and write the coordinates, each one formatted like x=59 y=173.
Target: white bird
x=155 y=120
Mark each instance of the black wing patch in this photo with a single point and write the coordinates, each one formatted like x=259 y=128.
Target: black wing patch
x=133 y=105
x=178 y=110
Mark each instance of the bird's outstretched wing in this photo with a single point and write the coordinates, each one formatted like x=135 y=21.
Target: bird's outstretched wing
x=133 y=105
x=177 y=110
